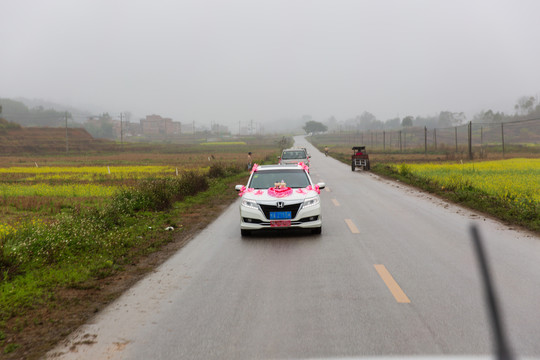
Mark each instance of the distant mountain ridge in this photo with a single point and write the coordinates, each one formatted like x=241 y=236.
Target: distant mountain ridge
x=78 y=115
x=41 y=113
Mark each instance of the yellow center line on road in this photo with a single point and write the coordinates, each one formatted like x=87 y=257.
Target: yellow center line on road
x=392 y=285
x=336 y=203
x=352 y=227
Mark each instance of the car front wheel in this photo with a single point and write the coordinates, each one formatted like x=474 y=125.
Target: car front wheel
x=316 y=230
x=245 y=232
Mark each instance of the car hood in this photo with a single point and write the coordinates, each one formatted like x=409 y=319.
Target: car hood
x=272 y=195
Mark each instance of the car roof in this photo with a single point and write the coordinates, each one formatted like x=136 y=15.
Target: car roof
x=295 y=149
x=279 y=167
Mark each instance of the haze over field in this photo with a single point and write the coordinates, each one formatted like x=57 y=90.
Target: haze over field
x=242 y=60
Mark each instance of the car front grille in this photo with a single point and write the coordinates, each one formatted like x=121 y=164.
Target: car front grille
x=293 y=208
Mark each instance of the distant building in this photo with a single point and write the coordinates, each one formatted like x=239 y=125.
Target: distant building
x=132 y=129
x=156 y=125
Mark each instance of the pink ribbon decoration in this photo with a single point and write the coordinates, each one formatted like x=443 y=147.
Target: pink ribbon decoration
x=259 y=192
x=244 y=190
x=254 y=168
x=301 y=191
x=314 y=188
x=280 y=192
x=304 y=166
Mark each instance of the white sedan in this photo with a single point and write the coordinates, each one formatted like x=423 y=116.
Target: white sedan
x=280 y=197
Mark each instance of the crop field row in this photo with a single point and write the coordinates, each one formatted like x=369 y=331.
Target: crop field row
x=516 y=180
x=45 y=186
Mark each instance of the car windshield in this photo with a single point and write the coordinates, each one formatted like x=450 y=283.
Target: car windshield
x=293 y=155
x=267 y=179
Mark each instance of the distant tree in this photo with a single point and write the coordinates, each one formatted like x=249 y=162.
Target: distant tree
x=392 y=123
x=38 y=116
x=285 y=142
x=448 y=118
x=102 y=128
x=4 y=124
x=407 y=121
x=366 y=120
x=314 y=127
x=526 y=105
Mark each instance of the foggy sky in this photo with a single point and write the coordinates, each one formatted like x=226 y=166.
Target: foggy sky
x=227 y=61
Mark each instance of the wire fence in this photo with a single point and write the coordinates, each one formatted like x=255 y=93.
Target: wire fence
x=471 y=138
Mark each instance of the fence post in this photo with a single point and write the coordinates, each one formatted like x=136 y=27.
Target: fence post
x=425 y=140
x=502 y=137
x=455 y=131
x=435 y=138
x=400 y=147
x=384 y=141
x=470 y=141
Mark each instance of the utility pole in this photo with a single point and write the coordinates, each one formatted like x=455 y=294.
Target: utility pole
x=67 y=143
x=470 y=141
x=502 y=138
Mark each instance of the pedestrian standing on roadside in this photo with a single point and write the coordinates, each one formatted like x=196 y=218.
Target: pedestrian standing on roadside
x=250 y=161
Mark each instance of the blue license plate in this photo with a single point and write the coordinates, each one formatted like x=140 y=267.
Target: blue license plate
x=280 y=215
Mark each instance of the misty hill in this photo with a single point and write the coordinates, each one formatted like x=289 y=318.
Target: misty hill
x=77 y=114
x=38 y=113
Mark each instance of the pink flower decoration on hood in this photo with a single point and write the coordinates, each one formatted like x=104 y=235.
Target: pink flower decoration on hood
x=244 y=190
x=304 y=166
x=280 y=192
x=314 y=188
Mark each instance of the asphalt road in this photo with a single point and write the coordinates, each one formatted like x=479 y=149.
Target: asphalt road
x=393 y=273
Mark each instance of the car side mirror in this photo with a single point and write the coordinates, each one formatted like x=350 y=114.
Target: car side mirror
x=238 y=187
x=321 y=185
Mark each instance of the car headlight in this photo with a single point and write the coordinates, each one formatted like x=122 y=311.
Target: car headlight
x=250 y=204
x=311 y=201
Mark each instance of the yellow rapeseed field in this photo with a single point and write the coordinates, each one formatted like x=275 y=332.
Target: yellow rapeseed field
x=65 y=190
x=6 y=229
x=512 y=180
x=89 y=172
x=75 y=181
